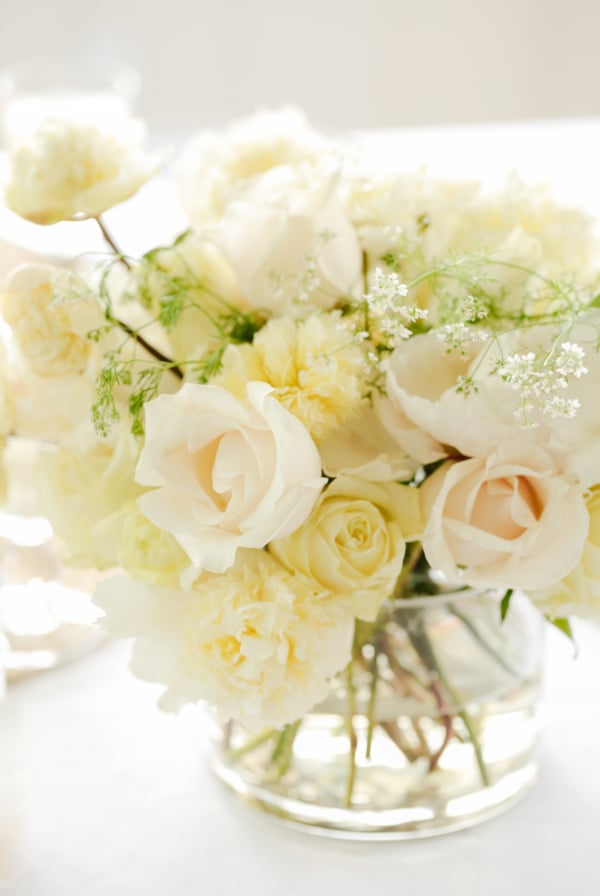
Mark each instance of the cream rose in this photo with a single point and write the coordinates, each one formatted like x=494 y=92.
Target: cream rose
x=510 y=521
x=354 y=541
x=257 y=642
x=289 y=241
x=67 y=170
x=225 y=473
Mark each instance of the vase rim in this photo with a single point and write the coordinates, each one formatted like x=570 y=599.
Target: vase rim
x=453 y=595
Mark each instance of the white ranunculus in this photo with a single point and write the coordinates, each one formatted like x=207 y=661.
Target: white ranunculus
x=68 y=170
x=225 y=473
x=214 y=164
x=507 y=521
x=256 y=642
x=354 y=541
x=289 y=240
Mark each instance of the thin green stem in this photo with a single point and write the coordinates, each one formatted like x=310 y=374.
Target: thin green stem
x=250 y=745
x=110 y=242
x=374 y=669
x=474 y=631
x=352 y=739
x=281 y=756
x=424 y=648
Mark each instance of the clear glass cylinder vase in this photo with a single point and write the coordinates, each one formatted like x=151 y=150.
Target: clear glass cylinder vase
x=433 y=726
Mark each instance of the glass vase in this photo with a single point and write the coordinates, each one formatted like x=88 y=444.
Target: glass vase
x=432 y=727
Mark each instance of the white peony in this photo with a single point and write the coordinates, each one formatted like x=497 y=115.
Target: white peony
x=255 y=641
x=224 y=473
x=68 y=170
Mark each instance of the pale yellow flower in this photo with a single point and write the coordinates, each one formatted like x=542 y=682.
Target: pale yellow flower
x=212 y=164
x=80 y=488
x=50 y=312
x=142 y=549
x=578 y=593
x=69 y=170
x=354 y=541
x=256 y=641
x=316 y=369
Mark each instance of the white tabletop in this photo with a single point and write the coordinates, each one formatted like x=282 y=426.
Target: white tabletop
x=103 y=795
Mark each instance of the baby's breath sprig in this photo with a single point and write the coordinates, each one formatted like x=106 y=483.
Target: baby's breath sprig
x=383 y=318
x=539 y=376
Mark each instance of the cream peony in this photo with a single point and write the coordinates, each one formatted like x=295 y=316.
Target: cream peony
x=354 y=541
x=578 y=593
x=256 y=642
x=81 y=486
x=142 y=549
x=212 y=165
x=225 y=473
x=511 y=521
x=68 y=170
x=289 y=241
x=316 y=368
x=50 y=312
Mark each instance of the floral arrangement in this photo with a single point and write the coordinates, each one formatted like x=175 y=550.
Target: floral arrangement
x=335 y=378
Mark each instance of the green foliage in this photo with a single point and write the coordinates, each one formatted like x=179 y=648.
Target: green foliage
x=505 y=604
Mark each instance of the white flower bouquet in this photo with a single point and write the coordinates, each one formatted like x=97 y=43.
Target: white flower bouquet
x=334 y=382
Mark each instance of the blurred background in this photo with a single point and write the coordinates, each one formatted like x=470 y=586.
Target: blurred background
x=348 y=63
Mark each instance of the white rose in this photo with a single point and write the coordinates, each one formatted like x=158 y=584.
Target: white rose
x=354 y=541
x=67 y=170
x=289 y=241
x=227 y=474
x=510 y=521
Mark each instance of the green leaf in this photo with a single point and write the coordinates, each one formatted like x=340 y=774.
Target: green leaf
x=564 y=626
x=595 y=303
x=505 y=604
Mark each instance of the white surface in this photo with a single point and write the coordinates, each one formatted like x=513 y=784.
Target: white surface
x=350 y=63
x=103 y=795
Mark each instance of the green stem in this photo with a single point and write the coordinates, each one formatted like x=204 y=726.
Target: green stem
x=372 y=701
x=474 y=631
x=281 y=756
x=424 y=648
x=352 y=739
x=252 y=744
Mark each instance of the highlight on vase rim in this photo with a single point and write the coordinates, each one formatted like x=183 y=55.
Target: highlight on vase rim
x=336 y=380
